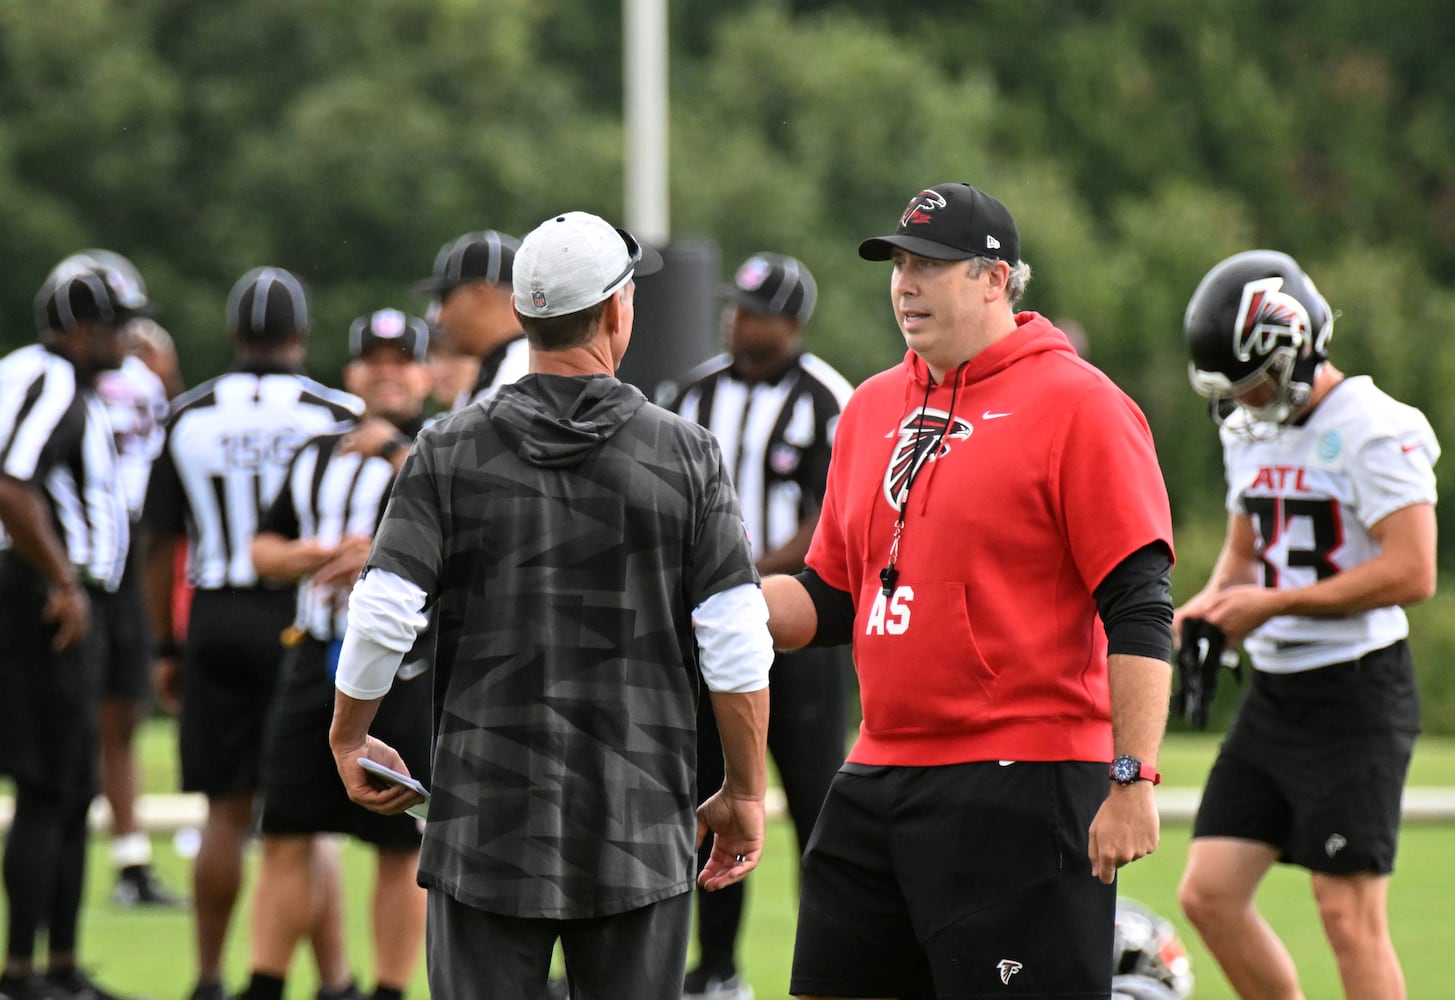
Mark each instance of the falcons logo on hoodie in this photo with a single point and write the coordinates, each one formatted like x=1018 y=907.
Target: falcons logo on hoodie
x=920 y=438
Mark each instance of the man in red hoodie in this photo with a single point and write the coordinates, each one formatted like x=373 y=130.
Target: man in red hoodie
x=996 y=544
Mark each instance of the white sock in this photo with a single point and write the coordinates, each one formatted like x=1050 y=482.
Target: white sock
x=131 y=849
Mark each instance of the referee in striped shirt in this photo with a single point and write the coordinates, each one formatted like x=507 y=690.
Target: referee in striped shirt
x=470 y=309
x=228 y=445
x=317 y=534
x=772 y=407
x=67 y=533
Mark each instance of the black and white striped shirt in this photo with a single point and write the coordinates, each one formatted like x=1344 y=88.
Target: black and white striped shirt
x=229 y=442
x=775 y=434
x=502 y=366
x=54 y=434
x=327 y=497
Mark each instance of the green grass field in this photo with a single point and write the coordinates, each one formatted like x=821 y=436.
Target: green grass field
x=149 y=954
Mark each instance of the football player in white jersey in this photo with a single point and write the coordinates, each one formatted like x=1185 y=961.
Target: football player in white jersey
x=1331 y=531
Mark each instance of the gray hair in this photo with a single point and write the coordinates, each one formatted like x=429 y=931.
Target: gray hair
x=1015 y=284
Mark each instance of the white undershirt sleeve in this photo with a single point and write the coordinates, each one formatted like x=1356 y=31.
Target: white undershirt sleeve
x=365 y=669
x=386 y=615
x=732 y=631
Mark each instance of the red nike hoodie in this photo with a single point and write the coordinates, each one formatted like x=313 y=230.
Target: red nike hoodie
x=1029 y=477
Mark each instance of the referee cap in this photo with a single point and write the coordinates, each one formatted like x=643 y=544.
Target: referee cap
x=393 y=328
x=483 y=256
x=574 y=260
x=269 y=304
x=771 y=284
x=81 y=290
x=123 y=272
x=950 y=222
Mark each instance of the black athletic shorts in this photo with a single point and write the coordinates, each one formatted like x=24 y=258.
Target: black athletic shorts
x=123 y=636
x=48 y=700
x=1315 y=764
x=229 y=669
x=637 y=955
x=966 y=880
x=302 y=792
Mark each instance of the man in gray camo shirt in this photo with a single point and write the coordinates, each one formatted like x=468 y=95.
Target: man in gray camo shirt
x=586 y=556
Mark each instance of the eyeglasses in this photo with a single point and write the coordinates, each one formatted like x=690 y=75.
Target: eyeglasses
x=634 y=257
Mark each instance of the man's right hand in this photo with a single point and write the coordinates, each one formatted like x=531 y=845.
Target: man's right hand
x=167 y=684
x=367 y=791
x=69 y=609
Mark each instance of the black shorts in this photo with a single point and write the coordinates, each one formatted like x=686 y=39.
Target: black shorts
x=302 y=792
x=1315 y=764
x=956 y=881
x=48 y=700
x=229 y=670
x=637 y=955
x=123 y=637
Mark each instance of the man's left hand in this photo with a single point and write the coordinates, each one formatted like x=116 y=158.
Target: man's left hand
x=737 y=828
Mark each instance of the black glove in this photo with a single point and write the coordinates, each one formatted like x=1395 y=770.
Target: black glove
x=1199 y=659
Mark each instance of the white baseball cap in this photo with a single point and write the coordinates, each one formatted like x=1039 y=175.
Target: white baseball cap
x=573 y=261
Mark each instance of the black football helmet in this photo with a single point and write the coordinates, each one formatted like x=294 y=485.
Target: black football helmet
x=1148 y=960
x=1256 y=320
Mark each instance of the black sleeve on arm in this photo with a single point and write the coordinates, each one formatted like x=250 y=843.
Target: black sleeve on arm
x=835 y=610
x=1135 y=603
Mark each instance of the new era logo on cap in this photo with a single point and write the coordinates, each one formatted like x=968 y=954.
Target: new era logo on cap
x=392 y=328
x=267 y=303
x=483 y=256
x=950 y=222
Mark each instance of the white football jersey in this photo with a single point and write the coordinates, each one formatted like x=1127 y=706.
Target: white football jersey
x=1313 y=491
x=136 y=404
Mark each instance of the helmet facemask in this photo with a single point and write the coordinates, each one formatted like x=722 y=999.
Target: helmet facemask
x=1286 y=394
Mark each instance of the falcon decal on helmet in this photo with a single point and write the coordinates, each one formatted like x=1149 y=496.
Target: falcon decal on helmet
x=1257 y=331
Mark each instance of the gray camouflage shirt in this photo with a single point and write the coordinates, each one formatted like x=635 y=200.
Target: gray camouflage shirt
x=565 y=528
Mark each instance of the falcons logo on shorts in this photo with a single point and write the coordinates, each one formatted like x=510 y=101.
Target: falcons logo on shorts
x=924 y=436
x=1007 y=968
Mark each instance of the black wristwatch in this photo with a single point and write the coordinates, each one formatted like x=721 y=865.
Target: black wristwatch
x=388 y=448
x=1126 y=769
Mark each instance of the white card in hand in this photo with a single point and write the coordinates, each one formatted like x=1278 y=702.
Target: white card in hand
x=419 y=810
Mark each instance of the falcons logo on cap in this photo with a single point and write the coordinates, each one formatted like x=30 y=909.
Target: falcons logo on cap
x=1266 y=315
x=921 y=436
x=1007 y=968
x=921 y=207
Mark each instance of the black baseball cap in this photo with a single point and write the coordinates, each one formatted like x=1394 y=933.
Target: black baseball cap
x=483 y=256
x=772 y=284
x=950 y=222
x=409 y=334
x=267 y=303
x=79 y=291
